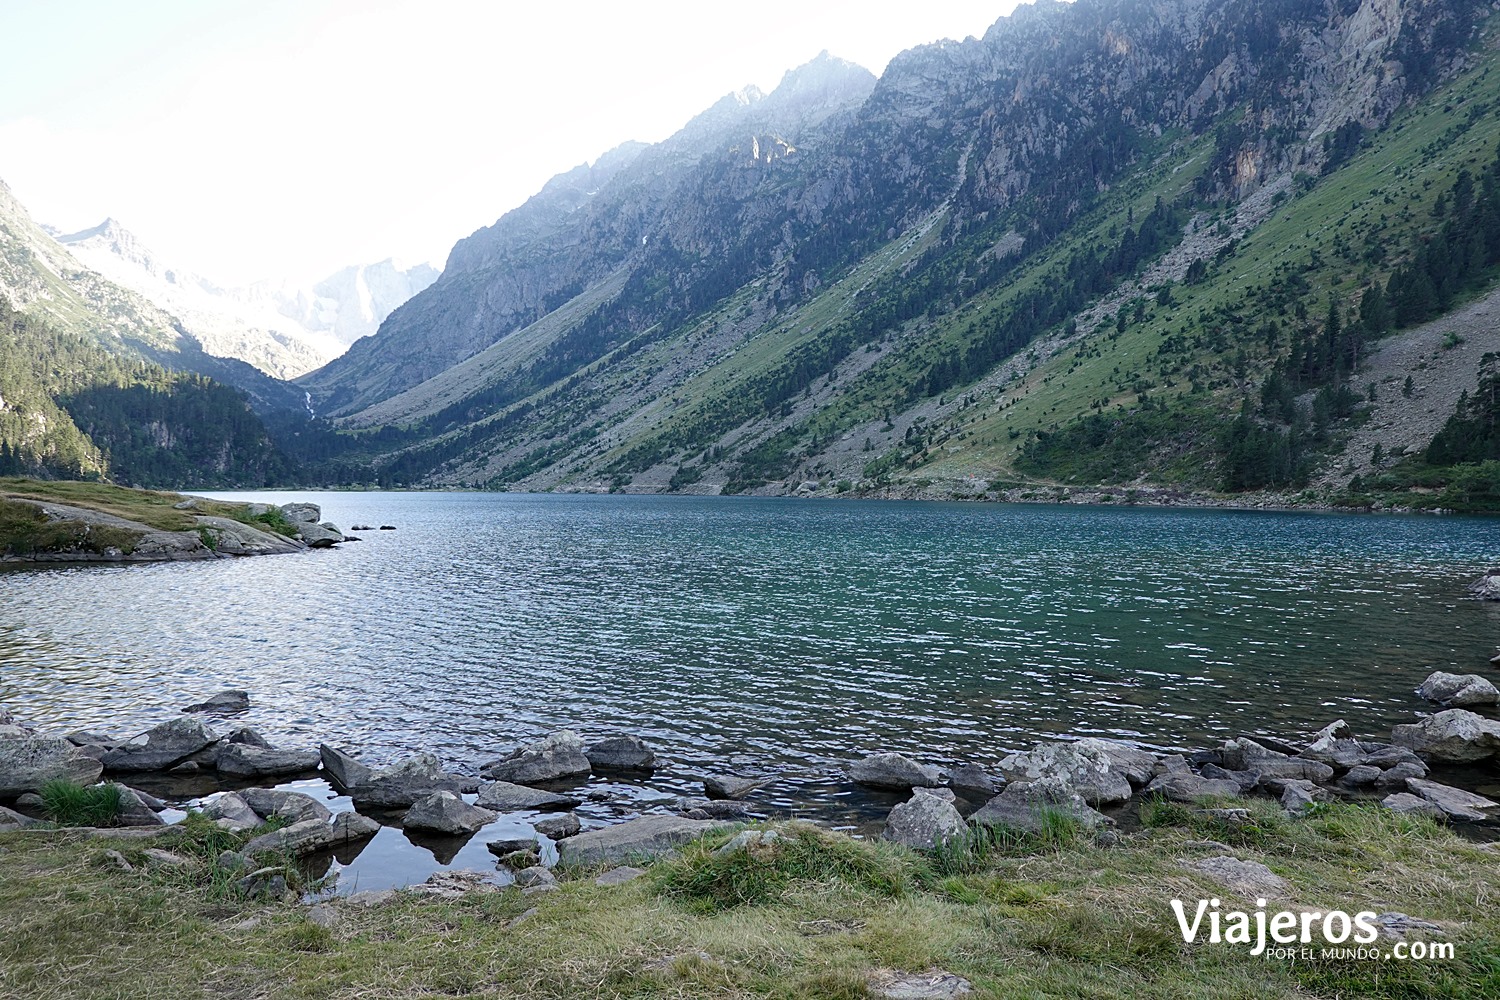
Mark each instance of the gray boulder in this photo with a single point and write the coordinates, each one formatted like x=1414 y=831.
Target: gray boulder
x=444 y=812
x=558 y=827
x=1360 y=776
x=536 y=875
x=302 y=513
x=246 y=736
x=1487 y=587
x=733 y=786
x=1297 y=795
x=1458 y=690
x=222 y=703
x=1386 y=756
x=503 y=796
x=1335 y=746
x=1454 y=802
x=135 y=811
x=400 y=787
x=510 y=845
x=648 y=835
x=12 y=820
x=161 y=747
x=232 y=812
x=242 y=760
x=1082 y=766
x=343 y=769
x=29 y=762
x=558 y=756
x=1185 y=786
x=701 y=808
x=1394 y=779
x=924 y=822
x=974 y=782
x=1030 y=807
x=1455 y=735
x=319 y=536
x=351 y=827
x=892 y=770
x=1406 y=802
x=620 y=753
x=293 y=807
x=307 y=837
x=1267 y=772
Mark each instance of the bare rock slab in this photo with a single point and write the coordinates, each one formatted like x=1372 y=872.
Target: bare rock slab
x=931 y=985
x=1454 y=802
x=646 y=836
x=504 y=796
x=1249 y=878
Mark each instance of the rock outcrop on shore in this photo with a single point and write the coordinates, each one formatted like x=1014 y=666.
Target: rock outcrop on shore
x=70 y=533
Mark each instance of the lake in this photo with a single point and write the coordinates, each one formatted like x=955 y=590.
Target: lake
x=771 y=632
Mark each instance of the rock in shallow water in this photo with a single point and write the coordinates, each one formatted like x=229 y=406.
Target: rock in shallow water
x=1455 y=735
x=294 y=807
x=893 y=771
x=503 y=796
x=1083 y=767
x=558 y=756
x=161 y=747
x=1458 y=690
x=222 y=703
x=244 y=761
x=444 y=812
x=620 y=753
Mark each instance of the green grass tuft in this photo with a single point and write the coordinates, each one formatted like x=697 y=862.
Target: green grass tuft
x=803 y=857
x=72 y=804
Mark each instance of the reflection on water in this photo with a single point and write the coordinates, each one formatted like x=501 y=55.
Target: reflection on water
x=794 y=634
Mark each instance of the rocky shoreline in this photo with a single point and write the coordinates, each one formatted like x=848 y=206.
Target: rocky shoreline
x=1087 y=782
x=89 y=535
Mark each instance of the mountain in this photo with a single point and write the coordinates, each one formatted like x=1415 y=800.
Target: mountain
x=281 y=328
x=1120 y=242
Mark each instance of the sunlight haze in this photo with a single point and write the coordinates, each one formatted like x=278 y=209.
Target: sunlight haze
x=251 y=140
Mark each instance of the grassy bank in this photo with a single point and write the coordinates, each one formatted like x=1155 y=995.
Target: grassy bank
x=815 y=917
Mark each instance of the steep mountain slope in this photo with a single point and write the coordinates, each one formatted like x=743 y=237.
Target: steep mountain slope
x=658 y=202
x=40 y=278
x=1070 y=220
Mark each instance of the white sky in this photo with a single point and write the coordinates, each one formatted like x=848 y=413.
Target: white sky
x=289 y=138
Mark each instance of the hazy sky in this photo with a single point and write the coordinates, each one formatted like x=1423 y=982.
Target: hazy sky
x=291 y=137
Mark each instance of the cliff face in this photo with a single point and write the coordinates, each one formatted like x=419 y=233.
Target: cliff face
x=792 y=278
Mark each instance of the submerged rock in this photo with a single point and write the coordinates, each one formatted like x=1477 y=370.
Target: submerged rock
x=558 y=827
x=734 y=786
x=223 y=703
x=893 y=771
x=29 y=762
x=558 y=756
